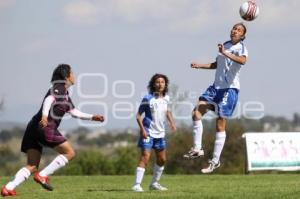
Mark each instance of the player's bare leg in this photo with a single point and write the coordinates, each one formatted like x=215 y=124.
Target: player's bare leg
x=66 y=150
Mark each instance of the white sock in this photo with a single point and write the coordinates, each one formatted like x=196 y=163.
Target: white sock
x=22 y=175
x=219 y=144
x=157 y=172
x=197 y=134
x=139 y=175
x=59 y=162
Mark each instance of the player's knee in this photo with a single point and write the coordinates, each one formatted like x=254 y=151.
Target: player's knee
x=70 y=155
x=145 y=159
x=73 y=154
x=196 y=115
x=143 y=162
x=161 y=161
x=220 y=127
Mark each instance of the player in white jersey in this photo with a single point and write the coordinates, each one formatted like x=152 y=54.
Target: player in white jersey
x=156 y=109
x=222 y=96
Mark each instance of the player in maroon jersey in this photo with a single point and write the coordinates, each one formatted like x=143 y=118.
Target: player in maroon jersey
x=42 y=131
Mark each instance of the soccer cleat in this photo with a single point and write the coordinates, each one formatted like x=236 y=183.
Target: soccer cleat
x=43 y=181
x=5 y=192
x=211 y=167
x=194 y=153
x=157 y=186
x=137 y=188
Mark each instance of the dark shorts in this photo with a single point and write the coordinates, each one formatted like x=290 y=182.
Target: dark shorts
x=36 y=137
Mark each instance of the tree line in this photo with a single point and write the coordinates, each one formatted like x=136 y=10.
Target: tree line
x=101 y=156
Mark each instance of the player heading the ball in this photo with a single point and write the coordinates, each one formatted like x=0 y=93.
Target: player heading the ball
x=222 y=96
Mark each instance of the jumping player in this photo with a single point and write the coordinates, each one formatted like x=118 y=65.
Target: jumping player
x=156 y=107
x=42 y=131
x=222 y=96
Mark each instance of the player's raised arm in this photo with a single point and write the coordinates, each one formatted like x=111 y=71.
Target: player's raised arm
x=238 y=59
x=85 y=116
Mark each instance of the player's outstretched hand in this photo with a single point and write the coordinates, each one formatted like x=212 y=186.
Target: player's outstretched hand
x=143 y=134
x=194 y=65
x=221 y=48
x=99 y=118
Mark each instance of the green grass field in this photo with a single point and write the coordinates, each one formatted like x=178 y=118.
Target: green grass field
x=180 y=186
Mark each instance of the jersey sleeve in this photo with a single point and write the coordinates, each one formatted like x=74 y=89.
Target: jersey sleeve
x=78 y=114
x=243 y=51
x=169 y=104
x=143 y=105
x=48 y=101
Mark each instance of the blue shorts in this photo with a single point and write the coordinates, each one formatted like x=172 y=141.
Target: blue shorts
x=152 y=143
x=224 y=100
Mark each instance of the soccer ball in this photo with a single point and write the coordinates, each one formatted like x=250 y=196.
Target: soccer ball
x=249 y=10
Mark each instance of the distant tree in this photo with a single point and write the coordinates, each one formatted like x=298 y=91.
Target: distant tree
x=8 y=134
x=81 y=130
x=233 y=156
x=177 y=97
x=296 y=120
x=1 y=104
x=125 y=162
x=284 y=123
x=5 y=135
x=89 y=162
x=179 y=104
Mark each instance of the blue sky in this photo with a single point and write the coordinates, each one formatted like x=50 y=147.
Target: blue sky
x=127 y=41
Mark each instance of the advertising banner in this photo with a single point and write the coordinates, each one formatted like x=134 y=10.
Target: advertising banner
x=273 y=151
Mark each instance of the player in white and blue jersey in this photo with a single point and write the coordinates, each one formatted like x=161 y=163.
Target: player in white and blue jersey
x=156 y=109
x=222 y=96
